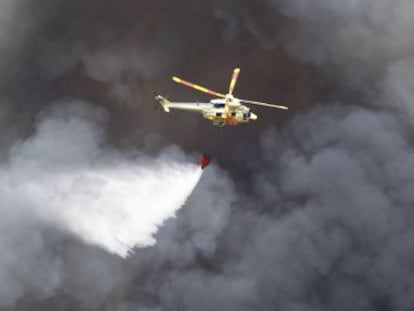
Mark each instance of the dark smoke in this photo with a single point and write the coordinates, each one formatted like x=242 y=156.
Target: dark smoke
x=308 y=210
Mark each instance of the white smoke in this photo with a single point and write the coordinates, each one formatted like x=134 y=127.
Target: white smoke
x=64 y=175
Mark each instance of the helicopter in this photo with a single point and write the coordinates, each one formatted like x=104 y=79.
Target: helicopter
x=222 y=111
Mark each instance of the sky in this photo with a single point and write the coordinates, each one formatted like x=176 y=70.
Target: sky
x=104 y=207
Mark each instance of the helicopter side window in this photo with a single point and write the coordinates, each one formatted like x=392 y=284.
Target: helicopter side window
x=233 y=113
x=219 y=105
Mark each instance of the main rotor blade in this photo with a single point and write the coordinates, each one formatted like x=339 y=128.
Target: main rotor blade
x=262 y=104
x=197 y=87
x=233 y=81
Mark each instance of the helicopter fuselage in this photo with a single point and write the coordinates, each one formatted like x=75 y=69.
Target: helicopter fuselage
x=219 y=111
x=222 y=112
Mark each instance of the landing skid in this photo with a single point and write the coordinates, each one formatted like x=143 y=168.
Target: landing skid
x=219 y=124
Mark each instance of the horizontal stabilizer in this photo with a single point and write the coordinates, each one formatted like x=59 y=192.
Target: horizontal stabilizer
x=163 y=102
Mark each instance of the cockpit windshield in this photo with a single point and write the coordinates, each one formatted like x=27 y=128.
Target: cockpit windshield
x=219 y=105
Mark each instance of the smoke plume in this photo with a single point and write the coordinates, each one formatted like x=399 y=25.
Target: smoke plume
x=305 y=210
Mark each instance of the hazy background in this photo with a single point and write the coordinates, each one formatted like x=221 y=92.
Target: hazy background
x=310 y=209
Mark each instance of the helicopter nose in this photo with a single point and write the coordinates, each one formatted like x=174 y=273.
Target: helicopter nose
x=253 y=116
